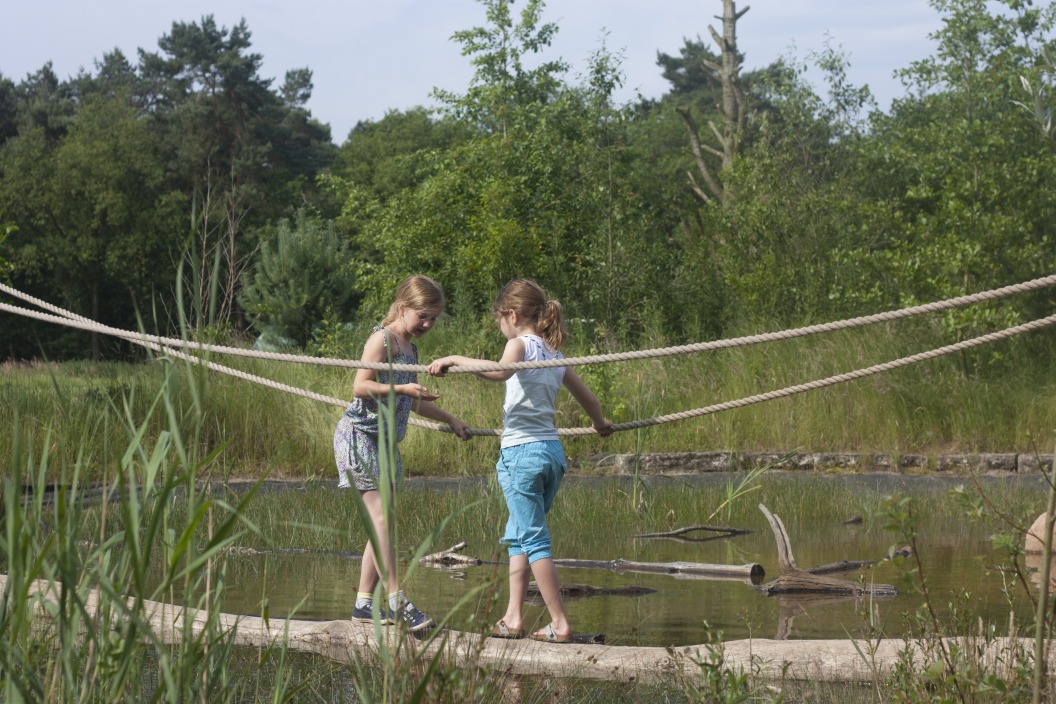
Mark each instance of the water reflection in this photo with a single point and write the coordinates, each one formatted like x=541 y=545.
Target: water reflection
x=639 y=608
x=815 y=607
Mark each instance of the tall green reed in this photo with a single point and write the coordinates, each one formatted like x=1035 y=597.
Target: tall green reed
x=80 y=617
x=77 y=613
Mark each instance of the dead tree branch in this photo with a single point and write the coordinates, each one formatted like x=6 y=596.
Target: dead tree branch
x=794 y=580
x=690 y=529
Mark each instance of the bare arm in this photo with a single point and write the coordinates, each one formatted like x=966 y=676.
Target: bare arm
x=514 y=352
x=430 y=410
x=367 y=385
x=588 y=401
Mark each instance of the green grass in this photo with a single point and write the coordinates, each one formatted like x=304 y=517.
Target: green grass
x=929 y=408
x=157 y=431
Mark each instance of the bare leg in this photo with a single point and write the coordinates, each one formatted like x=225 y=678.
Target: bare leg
x=369 y=574
x=514 y=618
x=550 y=589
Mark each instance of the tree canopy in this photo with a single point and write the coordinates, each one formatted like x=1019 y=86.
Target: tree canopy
x=114 y=181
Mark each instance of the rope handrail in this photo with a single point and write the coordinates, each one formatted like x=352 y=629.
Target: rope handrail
x=937 y=306
x=635 y=424
x=682 y=415
x=271 y=383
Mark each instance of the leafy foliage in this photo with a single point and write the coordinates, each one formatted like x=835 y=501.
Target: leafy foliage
x=100 y=173
x=831 y=206
x=302 y=273
x=6 y=229
x=952 y=184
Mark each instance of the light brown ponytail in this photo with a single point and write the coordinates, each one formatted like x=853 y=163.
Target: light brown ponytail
x=534 y=308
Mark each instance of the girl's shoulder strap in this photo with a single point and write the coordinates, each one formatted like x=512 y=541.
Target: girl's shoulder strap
x=535 y=348
x=384 y=334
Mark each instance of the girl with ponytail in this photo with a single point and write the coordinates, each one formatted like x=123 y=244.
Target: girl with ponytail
x=531 y=459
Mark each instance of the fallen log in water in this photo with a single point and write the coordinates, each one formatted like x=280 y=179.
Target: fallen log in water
x=451 y=557
x=839 y=660
x=851 y=565
x=842 y=566
x=582 y=591
x=751 y=572
x=794 y=580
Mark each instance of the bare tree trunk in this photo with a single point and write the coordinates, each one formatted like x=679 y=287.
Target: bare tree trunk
x=733 y=113
x=217 y=261
x=794 y=580
x=234 y=266
x=732 y=98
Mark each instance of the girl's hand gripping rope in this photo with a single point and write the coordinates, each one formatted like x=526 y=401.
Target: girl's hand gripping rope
x=438 y=367
x=459 y=428
x=604 y=428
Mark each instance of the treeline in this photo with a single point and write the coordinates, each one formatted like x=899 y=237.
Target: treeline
x=738 y=199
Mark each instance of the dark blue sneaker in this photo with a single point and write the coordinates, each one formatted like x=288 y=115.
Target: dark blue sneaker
x=414 y=618
x=364 y=615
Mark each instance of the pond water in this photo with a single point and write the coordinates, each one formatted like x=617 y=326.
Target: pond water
x=957 y=559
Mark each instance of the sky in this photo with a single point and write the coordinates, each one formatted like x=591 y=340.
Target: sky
x=371 y=56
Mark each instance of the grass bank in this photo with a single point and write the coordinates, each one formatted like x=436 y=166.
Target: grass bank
x=154 y=433
x=999 y=400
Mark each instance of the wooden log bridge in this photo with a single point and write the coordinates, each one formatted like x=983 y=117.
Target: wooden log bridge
x=839 y=660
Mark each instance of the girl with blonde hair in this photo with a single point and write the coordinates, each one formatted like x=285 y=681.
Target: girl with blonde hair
x=419 y=302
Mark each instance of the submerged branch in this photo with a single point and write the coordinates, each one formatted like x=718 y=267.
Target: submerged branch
x=689 y=529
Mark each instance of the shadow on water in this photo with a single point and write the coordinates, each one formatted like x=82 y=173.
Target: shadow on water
x=676 y=609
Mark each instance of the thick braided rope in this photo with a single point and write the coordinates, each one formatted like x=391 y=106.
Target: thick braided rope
x=566 y=362
x=296 y=391
x=141 y=338
x=263 y=381
x=631 y=425
x=683 y=415
x=771 y=336
x=839 y=378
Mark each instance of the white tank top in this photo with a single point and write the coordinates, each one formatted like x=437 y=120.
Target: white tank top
x=528 y=412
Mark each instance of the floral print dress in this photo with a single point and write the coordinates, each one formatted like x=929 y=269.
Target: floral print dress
x=356 y=438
